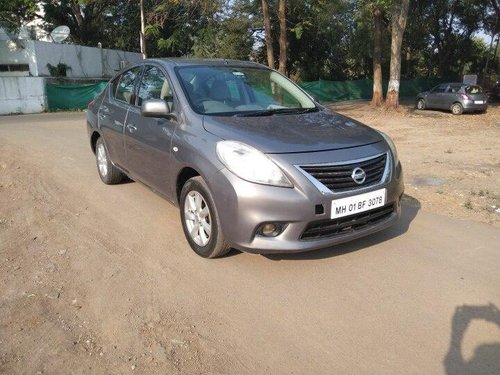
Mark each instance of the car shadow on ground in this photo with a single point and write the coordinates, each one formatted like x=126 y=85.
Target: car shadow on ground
x=486 y=357
x=439 y=113
x=126 y=180
x=409 y=210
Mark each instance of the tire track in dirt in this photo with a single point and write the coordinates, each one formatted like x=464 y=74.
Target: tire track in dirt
x=47 y=226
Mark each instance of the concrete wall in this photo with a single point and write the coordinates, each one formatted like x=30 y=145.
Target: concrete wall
x=22 y=95
x=19 y=52
x=83 y=62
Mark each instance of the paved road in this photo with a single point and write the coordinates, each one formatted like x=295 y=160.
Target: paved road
x=107 y=283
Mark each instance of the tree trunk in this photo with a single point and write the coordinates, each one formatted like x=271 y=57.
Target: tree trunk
x=398 y=25
x=269 y=36
x=283 y=39
x=378 y=96
x=77 y=13
x=486 y=67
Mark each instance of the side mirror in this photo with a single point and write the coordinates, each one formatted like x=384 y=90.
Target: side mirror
x=155 y=108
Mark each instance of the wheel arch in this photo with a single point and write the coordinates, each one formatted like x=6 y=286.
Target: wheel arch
x=93 y=140
x=185 y=174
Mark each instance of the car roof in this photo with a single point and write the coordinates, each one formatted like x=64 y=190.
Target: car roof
x=174 y=61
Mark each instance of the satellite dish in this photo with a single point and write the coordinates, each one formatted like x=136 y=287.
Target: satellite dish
x=60 y=33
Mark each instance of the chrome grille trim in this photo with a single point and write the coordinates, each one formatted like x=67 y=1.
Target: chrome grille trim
x=358 y=189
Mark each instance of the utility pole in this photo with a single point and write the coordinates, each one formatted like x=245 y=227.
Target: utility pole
x=142 y=36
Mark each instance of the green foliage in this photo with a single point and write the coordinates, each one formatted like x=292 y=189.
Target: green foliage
x=328 y=39
x=14 y=13
x=58 y=70
x=440 y=38
x=174 y=25
x=114 y=24
x=229 y=38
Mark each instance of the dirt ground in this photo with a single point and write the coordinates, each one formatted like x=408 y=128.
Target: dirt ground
x=99 y=279
x=451 y=163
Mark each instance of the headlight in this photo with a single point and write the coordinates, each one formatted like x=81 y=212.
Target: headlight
x=250 y=164
x=392 y=146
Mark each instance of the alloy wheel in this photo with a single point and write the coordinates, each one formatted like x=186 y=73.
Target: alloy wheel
x=197 y=218
x=456 y=109
x=102 y=160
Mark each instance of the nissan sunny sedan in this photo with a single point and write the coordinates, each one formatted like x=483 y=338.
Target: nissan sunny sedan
x=252 y=161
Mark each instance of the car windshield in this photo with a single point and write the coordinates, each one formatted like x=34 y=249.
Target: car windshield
x=474 y=89
x=242 y=91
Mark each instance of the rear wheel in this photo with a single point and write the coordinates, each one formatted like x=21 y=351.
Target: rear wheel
x=109 y=174
x=200 y=220
x=421 y=104
x=457 y=109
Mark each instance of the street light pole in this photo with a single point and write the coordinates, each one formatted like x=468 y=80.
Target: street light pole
x=142 y=36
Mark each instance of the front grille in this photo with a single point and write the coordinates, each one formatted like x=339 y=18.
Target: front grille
x=338 y=178
x=349 y=224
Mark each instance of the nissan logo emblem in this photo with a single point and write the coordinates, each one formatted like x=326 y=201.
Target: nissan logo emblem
x=358 y=175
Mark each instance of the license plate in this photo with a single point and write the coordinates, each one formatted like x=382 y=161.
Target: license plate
x=358 y=203
x=478 y=101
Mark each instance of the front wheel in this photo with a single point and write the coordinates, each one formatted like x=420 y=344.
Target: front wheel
x=421 y=104
x=200 y=220
x=457 y=109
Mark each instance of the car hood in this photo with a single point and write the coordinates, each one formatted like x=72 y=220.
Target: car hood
x=287 y=133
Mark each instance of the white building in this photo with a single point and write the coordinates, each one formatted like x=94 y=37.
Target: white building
x=24 y=69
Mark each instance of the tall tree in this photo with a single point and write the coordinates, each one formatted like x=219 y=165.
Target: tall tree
x=494 y=31
x=268 y=34
x=378 y=96
x=283 y=41
x=398 y=25
x=14 y=13
x=113 y=23
x=173 y=26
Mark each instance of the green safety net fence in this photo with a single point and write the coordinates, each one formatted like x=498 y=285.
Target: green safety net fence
x=77 y=96
x=72 y=96
x=333 y=91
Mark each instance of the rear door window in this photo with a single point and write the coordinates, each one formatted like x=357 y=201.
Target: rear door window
x=440 y=89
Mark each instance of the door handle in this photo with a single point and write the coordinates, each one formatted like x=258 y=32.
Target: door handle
x=131 y=128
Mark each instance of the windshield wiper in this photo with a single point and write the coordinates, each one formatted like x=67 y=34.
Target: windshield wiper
x=274 y=111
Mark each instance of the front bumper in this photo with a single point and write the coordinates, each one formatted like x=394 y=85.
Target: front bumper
x=243 y=206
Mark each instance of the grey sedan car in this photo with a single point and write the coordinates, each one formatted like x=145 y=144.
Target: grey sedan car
x=454 y=97
x=252 y=161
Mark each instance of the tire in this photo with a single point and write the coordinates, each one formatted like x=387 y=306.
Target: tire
x=421 y=104
x=457 y=109
x=200 y=220
x=109 y=174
